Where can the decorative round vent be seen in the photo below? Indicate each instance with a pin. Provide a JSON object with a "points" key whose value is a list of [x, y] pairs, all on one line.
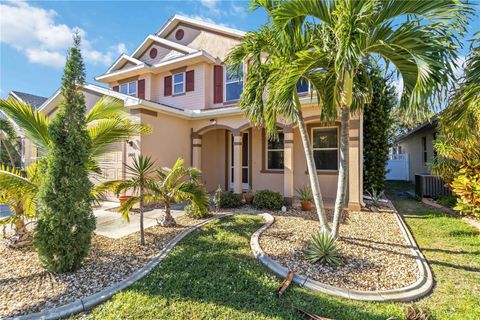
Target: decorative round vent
{"points": [[179, 34], [153, 53]]}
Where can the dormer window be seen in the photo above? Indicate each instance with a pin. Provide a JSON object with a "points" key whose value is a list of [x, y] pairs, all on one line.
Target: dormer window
{"points": [[233, 83], [129, 88], [179, 83]]}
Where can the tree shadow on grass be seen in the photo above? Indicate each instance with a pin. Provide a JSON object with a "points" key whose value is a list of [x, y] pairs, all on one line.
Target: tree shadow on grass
{"points": [[212, 274]]}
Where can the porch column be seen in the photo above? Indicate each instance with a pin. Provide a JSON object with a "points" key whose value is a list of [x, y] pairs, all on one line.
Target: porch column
{"points": [[197, 151], [354, 166], [288, 184], [237, 162]]}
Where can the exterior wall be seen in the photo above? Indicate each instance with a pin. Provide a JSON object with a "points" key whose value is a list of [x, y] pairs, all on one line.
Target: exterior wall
{"points": [[413, 145], [163, 54], [216, 44], [189, 100]]}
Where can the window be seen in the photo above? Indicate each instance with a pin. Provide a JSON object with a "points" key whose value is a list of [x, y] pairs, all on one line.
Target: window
{"points": [[424, 144], [233, 83], [129, 88], [302, 86], [325, 148], [275, 153], [178, 83]]}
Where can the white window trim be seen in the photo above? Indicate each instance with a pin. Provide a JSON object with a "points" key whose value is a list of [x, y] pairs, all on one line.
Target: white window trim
{"points": [[337, 148], [182, 83], [225, 82], [267, 150], [128, 88]]}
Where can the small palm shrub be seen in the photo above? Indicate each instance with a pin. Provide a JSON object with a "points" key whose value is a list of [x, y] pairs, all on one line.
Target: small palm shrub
{"points": [[229, 199], [194, 211], [323, 249], [266, 199]]}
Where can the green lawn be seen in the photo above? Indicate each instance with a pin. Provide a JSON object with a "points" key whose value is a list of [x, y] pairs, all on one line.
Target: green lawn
{"points": [[211, 274]]}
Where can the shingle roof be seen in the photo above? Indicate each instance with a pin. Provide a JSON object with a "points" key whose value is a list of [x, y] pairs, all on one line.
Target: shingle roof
{"points": [[33, 100]]}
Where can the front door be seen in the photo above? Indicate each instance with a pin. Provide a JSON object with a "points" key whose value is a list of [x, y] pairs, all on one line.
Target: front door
{"points": [[245, 162]]}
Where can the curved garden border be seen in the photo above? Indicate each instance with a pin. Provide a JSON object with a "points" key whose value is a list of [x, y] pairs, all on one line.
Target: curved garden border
{"points": [[87, 303], [418, 289]]}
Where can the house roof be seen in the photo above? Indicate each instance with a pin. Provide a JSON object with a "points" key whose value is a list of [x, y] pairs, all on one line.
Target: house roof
{"points": [[172, 23], [33, 100], [430, 123]]}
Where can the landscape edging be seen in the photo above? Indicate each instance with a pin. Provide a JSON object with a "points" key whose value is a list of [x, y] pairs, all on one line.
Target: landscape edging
{"points": [[89, 302], [421, 287]]}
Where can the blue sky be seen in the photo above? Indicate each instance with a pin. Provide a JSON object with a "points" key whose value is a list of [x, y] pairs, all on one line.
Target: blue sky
{"points": [[35, 35]]}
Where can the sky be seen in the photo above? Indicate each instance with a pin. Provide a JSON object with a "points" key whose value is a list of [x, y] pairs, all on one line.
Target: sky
{"points": [[35, 35]]}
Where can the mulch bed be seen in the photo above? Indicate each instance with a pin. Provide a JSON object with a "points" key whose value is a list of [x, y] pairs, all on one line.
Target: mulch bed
{"points": [[374, 252], [26, 287]]}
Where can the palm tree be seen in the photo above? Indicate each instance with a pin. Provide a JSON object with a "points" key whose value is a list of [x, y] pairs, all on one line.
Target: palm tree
{"points": [[9, 143], [107, 122], [177, 184], [417, 38], [277, 59], [139, 183]]}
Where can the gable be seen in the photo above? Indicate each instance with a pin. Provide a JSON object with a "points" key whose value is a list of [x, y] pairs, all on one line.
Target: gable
{"points": [[163, 53]]}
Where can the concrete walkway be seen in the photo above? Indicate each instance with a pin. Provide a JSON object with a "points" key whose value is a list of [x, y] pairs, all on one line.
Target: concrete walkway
{"points": [[110, 224]]}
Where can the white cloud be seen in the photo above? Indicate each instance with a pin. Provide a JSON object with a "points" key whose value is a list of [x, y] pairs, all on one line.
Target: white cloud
{"points": [[34, 32], [238, 11], [212, 5]]}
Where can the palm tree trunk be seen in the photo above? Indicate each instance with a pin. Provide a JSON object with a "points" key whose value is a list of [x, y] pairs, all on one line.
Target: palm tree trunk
{"points": [[312, 170], [342, 171], [142, 233], [8, 153]]}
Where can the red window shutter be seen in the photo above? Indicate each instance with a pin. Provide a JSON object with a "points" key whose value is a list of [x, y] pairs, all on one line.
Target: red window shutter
{"points": [[217, 84], [167, 86], [115, 88], [141, 89], [190, 81]]}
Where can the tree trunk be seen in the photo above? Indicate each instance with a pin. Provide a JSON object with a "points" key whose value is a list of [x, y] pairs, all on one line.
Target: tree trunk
{"points": [[312, 171], [168, 220], [142, 233], [21, 238], [342, 171], [8, 153]]}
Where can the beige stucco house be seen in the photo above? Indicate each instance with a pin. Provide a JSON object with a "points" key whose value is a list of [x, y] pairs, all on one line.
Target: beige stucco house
{"points": [[177, 83]]}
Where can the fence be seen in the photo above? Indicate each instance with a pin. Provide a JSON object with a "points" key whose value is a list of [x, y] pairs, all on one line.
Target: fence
{"points": [[397, 167], [428, 185]]}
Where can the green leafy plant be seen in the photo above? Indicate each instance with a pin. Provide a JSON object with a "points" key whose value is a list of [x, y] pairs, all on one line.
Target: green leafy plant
{"points": [[304, 193], [216, 198], [64, 231], [323, 249], [266, 199], [194, 211], [376, 197], [446, 201], [466, 184], [229, 199]]}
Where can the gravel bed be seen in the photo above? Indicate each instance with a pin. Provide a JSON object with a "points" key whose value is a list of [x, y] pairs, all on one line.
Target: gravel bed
{"points": [[374, 252], [26, 287]]}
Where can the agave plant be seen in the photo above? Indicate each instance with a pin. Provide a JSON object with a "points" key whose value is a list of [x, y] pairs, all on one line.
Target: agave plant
{"points": [[323, 249]]}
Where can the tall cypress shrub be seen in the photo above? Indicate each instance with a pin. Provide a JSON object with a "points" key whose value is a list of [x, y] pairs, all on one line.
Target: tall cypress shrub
{"points": [[64, 230], [377, 123]]}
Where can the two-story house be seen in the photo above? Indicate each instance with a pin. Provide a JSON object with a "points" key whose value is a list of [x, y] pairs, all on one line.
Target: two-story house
{"points": [[176, 82]]}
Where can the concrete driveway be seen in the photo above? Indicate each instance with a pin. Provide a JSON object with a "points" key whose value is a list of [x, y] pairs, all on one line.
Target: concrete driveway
{"points": [[111, 225]]}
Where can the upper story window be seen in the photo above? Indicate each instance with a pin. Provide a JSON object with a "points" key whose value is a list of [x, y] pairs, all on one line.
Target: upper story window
{"points": [[325, 148], [233, 83], [275, 153], [424, 148], [179, 83], [302, 86], [129, 88]]}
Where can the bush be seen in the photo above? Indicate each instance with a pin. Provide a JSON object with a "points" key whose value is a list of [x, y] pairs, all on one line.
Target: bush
{"points": [[466, 184], [446, 201], [323, 249], [229, 199], [266, 199], [194, 211]]}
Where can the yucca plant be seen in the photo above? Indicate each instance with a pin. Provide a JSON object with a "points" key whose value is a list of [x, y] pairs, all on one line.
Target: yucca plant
{"points": [[323, 249]]}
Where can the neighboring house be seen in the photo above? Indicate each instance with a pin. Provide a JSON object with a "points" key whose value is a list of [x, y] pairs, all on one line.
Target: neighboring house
{"points": [[418, 144], [28, 151], [177, 83]]}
